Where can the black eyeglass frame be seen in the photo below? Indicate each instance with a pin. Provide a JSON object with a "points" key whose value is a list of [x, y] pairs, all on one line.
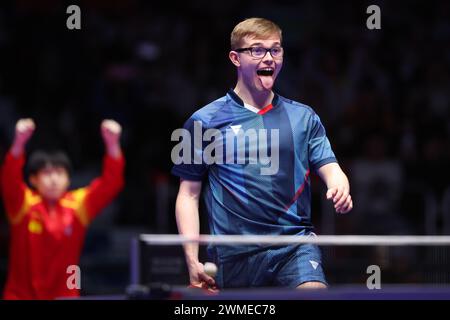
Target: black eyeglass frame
{"points": [[266, 49]]}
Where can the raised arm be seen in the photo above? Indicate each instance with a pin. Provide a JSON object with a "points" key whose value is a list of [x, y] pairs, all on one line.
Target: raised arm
{"points": [[111, 132], [338, 186], [188, 222], [24, 130], [104, 189], [13, 185]]}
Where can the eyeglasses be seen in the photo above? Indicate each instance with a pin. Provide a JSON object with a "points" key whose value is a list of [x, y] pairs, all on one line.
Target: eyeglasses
{"points": [[260, 52]]}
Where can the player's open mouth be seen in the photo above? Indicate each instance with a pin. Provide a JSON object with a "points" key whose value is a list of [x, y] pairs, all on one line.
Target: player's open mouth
{"points": [[265, 72]]}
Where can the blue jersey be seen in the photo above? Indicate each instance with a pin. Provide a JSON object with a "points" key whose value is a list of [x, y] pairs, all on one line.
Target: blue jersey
{"points": [[245, 191]]}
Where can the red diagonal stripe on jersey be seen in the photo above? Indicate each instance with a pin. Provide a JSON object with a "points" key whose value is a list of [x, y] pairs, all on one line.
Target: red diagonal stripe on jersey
{"points": [[299, 191], [265, 109]]}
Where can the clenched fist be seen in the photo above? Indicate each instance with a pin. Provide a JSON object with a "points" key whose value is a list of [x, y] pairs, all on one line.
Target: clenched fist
{"points": [[111, 132], [24, 130]]}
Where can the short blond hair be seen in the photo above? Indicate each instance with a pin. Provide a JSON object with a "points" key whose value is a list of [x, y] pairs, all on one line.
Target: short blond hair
{"points": [[255, 27]]}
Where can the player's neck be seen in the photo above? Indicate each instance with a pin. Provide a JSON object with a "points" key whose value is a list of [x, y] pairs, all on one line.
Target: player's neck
{"points": [[258, 99], [51, 203]]}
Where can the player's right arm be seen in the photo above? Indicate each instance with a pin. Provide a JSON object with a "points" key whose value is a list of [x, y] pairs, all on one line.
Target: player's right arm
{"points": [[188, 222], [13, 186]]}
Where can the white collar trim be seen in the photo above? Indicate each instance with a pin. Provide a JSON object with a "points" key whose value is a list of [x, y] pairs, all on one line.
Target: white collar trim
{"points": [[251, 108]]}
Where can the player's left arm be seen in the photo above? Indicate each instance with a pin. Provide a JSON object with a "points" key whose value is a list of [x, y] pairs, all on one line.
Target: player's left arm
{"points": [[105, 188], [338, 186]]}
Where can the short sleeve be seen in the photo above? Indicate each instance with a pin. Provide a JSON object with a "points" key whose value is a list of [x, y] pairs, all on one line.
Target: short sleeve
{"points": [[187, 154], [319, 147]]}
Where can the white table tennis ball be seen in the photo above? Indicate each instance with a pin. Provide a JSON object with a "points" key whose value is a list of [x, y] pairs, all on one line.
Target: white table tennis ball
{"points": [[210, 269]]}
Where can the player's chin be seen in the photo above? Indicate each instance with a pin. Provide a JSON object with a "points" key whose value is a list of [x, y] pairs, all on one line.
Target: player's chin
{"points": [[258, 87]]}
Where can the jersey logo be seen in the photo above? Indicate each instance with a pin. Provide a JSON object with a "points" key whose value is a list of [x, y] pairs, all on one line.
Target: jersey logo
{"points": [[314, 264], [236, 128], [34, 226]]}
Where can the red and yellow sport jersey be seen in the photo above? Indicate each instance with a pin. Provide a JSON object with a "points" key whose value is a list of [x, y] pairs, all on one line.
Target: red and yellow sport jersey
{"points": [[44, 243]]}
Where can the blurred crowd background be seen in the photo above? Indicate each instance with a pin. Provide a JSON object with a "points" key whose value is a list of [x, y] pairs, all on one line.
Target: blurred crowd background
{"points": [[383, 96]]}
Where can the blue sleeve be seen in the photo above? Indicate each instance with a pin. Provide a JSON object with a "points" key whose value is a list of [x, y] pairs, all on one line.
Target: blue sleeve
{"points": [[187, 154], [319, 147]]}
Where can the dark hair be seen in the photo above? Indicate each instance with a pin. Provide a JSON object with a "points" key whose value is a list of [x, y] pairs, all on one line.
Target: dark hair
{"points": [[41, 159]]}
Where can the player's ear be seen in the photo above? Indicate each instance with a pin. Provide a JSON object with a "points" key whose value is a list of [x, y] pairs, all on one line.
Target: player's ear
{"points": [[234, 57], [33, 180], [67, 185]]}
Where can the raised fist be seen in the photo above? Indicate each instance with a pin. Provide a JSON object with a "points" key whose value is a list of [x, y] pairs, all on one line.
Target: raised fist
{"points": [[111, 131], [24, 130]]}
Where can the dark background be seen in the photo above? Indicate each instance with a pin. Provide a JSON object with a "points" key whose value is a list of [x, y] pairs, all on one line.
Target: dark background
{"points": [[383, 96]]}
